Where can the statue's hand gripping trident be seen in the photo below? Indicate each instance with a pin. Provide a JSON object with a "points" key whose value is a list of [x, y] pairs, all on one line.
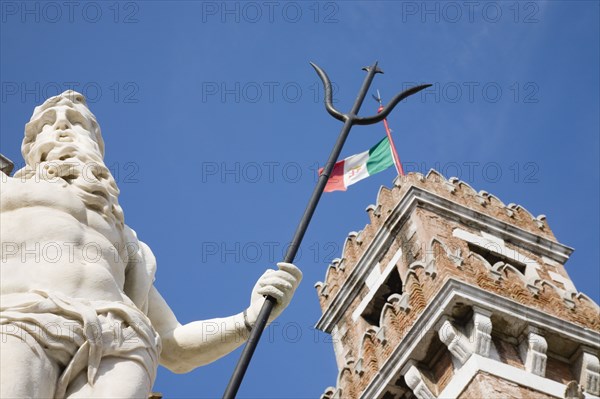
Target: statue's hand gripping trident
{"points": [[350, 119]]}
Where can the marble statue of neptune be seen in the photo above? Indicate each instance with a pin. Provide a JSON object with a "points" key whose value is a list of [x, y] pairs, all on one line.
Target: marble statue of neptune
{"points": [[80, 316]]}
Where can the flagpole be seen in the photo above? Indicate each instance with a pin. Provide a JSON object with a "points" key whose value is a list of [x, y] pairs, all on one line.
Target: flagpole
{"points": [[388, 131], [350, 119]]}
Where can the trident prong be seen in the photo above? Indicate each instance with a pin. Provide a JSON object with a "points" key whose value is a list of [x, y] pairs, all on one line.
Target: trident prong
{"points": [[390, 106], [328, 94], [356, 120]]}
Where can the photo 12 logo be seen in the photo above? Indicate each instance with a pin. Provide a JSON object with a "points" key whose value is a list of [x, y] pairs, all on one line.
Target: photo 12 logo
{"points": [[490, 92], [252, 12], [452, 12], [125, 12], [94, 92], [270, 91]]}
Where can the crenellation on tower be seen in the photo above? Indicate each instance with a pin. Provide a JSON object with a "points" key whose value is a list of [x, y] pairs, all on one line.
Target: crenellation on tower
{"points": [[447, 289]]}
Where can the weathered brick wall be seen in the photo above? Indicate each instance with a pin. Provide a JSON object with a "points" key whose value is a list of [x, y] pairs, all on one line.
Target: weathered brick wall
{"points": [[442, 370], [508, 353], [488, 386], [558, 370]]}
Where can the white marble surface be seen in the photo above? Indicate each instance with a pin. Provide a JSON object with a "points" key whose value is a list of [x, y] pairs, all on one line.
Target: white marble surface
{"points": [[80, 315]]}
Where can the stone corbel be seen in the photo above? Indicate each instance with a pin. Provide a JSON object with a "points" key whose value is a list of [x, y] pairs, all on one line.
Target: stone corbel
{"points": [[450, 186], [338, 263], [481, 198], [322, 287], [401, 302], [510, 209], [457, 343], [328, 394], [539, 221], [375, 209], [430, 268], [457, 259], [414, 380], [533, 289], [497, 271], [568, 298], [574, 391], [532, 282], [381, 335], [586, 368], [482, 330], [358, 367], [533, 349]]}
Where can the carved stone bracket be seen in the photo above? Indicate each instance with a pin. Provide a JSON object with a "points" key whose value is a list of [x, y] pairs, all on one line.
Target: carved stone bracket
{"points": [[430, 268], [414, 380], [457, 258], [477, 340], [358, 367], [574, 391], [400, 302], [497, 271], [482, 330], [328, 393], [457, 343], [586, 367], [533, 349], [533, 289], [481, 198], [450, 187], [568, 298], [381, 335]]}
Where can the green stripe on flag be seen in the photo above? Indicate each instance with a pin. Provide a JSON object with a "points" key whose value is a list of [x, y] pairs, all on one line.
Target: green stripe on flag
{"points": [[380, 157]]}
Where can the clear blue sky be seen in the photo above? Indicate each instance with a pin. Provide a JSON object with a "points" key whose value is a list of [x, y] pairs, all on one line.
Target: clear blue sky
{"points": [[214, 129]]}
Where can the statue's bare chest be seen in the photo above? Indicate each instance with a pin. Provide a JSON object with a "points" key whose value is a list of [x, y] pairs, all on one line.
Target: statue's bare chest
{"points": [[50, 209], [16, 194]]}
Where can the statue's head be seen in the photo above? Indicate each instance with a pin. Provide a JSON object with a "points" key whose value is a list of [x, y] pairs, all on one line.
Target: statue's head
{"points": [[63, 144], [61, 128]]}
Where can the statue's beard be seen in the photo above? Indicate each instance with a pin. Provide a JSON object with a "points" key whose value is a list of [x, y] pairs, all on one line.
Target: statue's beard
{"points": [[96, 187], [86, 174]]}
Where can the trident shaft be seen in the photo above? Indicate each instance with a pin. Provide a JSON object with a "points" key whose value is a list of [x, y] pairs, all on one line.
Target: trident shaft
{"points": [[350, 119], [6, 165]]}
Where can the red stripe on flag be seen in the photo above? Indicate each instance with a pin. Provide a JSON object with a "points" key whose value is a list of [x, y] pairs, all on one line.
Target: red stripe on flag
{"points": [[336, 180]]}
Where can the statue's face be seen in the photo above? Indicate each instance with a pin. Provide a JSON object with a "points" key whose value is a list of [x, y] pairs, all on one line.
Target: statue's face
{"points": [[61, 132]]}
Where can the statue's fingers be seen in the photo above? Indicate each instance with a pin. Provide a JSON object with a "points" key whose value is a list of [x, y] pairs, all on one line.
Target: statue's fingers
{"points": [[267, 272], [272, 292], [291, 269], [284, 276], [277, 282]]}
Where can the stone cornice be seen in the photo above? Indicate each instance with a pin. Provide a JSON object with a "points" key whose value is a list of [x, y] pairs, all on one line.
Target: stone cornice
{"points": [[452, 291], [418, 197]]}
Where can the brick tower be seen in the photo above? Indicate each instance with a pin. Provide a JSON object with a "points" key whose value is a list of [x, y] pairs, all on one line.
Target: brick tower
{"points": [[450, 293]]}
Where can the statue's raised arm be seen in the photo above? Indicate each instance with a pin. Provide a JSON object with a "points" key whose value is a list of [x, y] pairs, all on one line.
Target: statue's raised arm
{"points": [[79, 311]]}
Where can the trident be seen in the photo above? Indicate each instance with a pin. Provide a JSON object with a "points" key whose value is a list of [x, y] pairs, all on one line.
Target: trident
{"points": [[350, 119]]}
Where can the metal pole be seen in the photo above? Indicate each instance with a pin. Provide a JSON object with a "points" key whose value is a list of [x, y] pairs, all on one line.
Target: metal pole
{"points": [[349, 120], [6, 165]]}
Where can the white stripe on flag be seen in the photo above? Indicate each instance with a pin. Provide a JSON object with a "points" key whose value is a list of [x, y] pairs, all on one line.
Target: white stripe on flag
{"points": [[355, 168]]}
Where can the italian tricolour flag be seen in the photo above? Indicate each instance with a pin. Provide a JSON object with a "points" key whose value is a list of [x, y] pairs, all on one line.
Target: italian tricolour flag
{"points": [[360, 166]]}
